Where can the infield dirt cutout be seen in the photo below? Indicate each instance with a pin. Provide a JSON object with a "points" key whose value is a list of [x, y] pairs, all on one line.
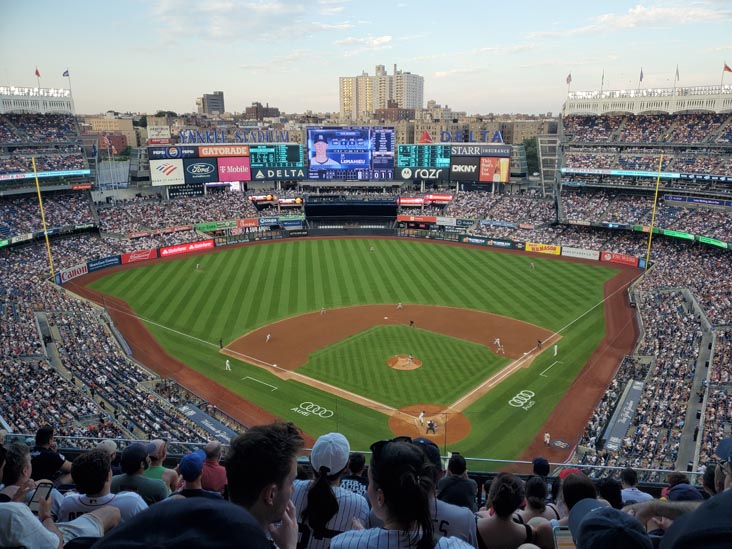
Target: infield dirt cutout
{"points": [[283, 346]]}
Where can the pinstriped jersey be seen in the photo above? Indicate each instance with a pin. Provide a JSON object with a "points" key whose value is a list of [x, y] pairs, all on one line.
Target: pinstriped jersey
{"points": [[75, 505], [350, 506], [379, 538]]}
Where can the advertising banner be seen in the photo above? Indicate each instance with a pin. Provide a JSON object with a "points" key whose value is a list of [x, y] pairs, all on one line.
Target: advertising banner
{"points": [[622, 418], [480, 241], [580, 253], [158, 132], [186, 248], [713, 242], [268, 221], [678, 234], [140, 255], [623, 259], [167, 172], [165, 153], [464, 169], [73, 272], [234, 168], [480, 150], [497, 223], [465, 222], [103, 263], [214, 427], [29, 175], [248, 222], [290, 201], [496, 170], [223, 150], [543, 248], [206, 227], [278, 174], [499, 243], [447, 221], [292, 223], [417, 218], [200, 170], [425, 174], [438, 197], [410, 201], [20, 238], [159, 141]]}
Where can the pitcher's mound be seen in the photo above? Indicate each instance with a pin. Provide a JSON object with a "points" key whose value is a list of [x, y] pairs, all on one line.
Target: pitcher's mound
{"points": [[404, 362]]}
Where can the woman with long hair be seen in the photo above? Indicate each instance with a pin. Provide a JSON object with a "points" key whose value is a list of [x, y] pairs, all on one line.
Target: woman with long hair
{"points": [[400, 488], [498, 530], [323, 508], [536, 505]]}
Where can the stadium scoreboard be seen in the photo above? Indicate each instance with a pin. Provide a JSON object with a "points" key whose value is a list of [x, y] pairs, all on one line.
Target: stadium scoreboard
{"points": [[276, 155], [423, 156]]}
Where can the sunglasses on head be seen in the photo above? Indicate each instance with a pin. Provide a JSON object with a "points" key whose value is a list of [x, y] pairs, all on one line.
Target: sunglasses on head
{"points": [[378, 446]]}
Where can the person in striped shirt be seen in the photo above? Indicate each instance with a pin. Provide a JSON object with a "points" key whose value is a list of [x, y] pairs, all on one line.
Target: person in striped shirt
{"points": [[324, 509]]}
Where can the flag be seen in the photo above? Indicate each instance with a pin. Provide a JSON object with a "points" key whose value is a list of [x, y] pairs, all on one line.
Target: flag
{"points": [[677, 72], [641, 76], [569, 79], [38, 73], [725, 69], [602, 83], [114, 149], [105, 141], [66, 73]]}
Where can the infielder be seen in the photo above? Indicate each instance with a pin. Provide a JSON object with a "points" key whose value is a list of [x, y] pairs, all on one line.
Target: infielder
{"points": [[269, 336], [547, 438], [228, 365], [421, 417], [497, 341], [399, 306], [322, 311]]}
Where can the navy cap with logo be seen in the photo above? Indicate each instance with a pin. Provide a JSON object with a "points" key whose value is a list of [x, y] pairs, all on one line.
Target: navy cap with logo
{"points": [[320, 138], [431, 451], [599, 526]]}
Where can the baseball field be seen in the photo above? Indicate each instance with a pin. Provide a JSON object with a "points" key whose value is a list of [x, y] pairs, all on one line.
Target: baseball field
{"points": [[361, 335]]}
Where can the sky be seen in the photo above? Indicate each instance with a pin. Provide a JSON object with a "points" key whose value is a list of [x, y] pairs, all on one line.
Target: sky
{"points": [[478, 56]]}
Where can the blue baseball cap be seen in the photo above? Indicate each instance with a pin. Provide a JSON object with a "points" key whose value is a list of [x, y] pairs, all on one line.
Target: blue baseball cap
{"points": [[191, 465]]}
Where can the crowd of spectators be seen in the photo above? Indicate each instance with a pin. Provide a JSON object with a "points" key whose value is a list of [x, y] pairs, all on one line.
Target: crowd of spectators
{"points": [[22, 214], [37, 128]]}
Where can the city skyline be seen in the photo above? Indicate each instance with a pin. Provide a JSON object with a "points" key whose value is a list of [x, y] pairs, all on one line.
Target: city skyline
{"points": [[475, 57]]}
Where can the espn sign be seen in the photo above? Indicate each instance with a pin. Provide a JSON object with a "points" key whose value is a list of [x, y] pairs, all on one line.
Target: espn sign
{"points": [[142, 255], [186, 248], [73, 272]]}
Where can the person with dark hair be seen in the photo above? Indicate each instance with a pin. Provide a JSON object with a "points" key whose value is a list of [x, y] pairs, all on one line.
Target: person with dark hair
{"points": [[47, 462], [356, 481], [456, 487], [630, 492], [708, 482], [400, 488], [92, 474], [261, 466], [576, 487], [496, 527], [536, 505], [324, 509], [610, 490]]}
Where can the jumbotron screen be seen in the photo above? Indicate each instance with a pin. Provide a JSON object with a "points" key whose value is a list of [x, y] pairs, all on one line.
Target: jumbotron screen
{"points": [[351, 153]]}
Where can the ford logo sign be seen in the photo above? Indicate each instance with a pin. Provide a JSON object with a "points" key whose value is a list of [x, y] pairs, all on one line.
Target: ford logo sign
{"points": [[200, 168]]}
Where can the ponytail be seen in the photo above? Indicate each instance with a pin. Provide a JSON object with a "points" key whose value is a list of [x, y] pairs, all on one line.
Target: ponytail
{"points": [[322, 504]]}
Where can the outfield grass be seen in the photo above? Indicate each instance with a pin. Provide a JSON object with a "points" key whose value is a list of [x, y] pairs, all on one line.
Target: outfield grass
{"points": [[237, 290]]}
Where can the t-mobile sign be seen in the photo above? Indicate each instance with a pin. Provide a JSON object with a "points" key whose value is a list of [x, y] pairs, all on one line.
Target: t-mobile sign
{"points": [[234, 168]]}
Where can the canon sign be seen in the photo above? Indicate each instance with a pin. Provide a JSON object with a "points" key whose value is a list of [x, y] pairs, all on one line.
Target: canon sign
{"points": [[73, 272], [422, 173]]}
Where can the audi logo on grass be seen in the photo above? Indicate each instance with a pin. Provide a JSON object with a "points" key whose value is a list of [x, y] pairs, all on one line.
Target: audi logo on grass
{"points": [[311, 409], [522, 399]]}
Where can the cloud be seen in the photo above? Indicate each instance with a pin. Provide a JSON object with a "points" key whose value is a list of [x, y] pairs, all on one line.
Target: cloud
{"points": [[645, 17], [452, 72], [369, 43]]}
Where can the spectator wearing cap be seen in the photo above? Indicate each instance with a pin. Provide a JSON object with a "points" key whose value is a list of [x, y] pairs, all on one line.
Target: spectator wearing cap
{"points": [[324, 509], [356, 480], [198, 523], [630, 492], [706, 526], [134, 462], [456, 487], [156, 469], [92, 474], [190, 469], [540, 468], [47, 462], [214, 474], [261, 466], [109, 447], [595, 525], [496, 527], [449, 519]]}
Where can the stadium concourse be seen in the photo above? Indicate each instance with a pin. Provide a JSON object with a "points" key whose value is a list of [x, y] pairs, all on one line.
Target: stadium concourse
{"points": [[62, 365]]}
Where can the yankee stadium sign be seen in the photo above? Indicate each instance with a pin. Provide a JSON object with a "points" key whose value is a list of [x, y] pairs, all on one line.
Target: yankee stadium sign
{"points": [[220, 136]]}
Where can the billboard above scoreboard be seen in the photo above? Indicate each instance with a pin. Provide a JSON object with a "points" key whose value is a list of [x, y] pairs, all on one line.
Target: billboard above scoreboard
{"points": [[351, 153], [276, 155], [427, 156], [167, 172]]}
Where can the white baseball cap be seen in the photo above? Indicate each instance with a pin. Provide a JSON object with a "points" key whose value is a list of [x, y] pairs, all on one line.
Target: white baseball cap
{"points": [[330, 451]]}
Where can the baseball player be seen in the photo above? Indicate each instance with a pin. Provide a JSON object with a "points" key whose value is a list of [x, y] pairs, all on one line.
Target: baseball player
{"points": [[431, 427], [322, 311], [556, 349], [399, 306], [228, 365], [538, 344], [547, 438], [497, 342], [421, 417], [409, 359], [268, 338]]}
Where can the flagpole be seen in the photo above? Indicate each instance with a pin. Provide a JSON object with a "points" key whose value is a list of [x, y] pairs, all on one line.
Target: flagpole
{"points": [[38, 77], [602, 82], [653, 215]]}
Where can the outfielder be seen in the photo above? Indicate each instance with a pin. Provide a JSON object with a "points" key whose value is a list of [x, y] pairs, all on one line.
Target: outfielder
{"points": [[228, 365], [556, 348]]}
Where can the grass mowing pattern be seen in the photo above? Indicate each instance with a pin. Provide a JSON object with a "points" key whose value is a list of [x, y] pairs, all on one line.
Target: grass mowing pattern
{"points": [[450, 368], [237, 290]]}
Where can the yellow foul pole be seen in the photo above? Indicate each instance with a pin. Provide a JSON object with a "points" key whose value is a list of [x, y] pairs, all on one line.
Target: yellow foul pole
{"points": [[43, 218], [653, 215]]}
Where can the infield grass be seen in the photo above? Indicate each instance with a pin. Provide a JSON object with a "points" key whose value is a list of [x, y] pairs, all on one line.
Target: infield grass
{"points": [[237, 290]]}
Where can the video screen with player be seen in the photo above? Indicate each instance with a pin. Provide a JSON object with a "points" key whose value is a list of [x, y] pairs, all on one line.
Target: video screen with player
{"points": [[351, 153]]}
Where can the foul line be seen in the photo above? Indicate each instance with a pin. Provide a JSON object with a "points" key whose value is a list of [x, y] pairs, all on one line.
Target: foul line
{"points": [[258, 381], [550, 367]]}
